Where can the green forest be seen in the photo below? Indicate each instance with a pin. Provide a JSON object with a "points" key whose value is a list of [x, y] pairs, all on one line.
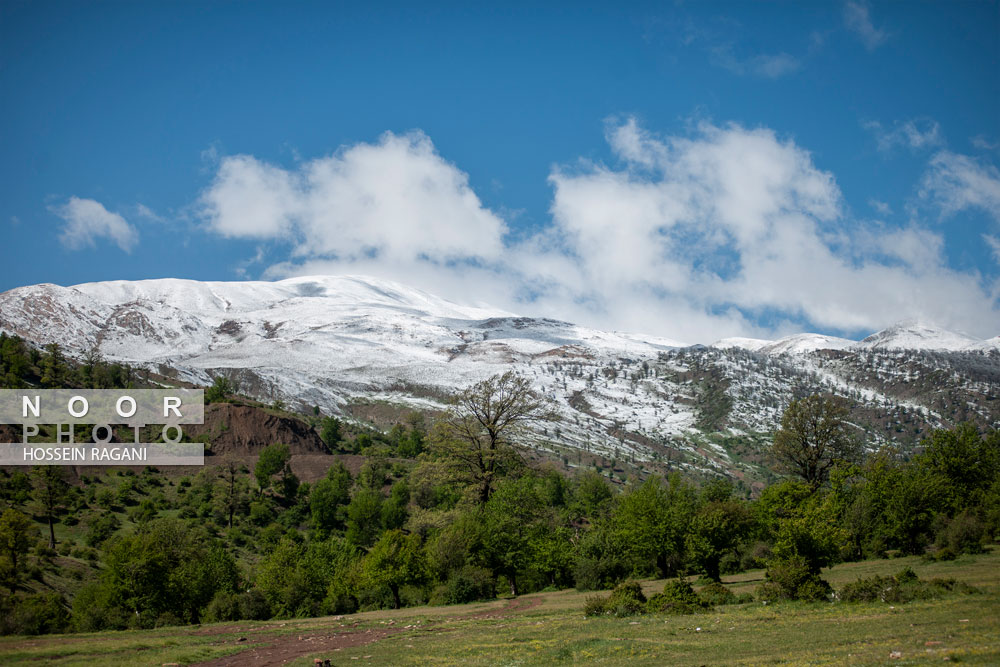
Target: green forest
{"points": [[448, 511]]}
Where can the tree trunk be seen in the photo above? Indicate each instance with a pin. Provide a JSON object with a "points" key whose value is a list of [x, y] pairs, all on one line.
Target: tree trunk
{"points": [[395, 597], [52, 533], [712, 569], [513, 584]]}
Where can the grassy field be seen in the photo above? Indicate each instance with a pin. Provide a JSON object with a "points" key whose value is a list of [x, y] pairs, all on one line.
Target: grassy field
{"points": [[550, 628]]}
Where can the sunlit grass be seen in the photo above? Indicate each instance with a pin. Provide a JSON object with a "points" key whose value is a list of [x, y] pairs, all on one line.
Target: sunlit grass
{"points": [[554, 631]]}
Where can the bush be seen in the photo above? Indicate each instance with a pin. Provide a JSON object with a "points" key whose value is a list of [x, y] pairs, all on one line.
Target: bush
{"points": [[965, 534], [254, 606], [867, 589], [37, 614], [730, 563], [792, 579], [627, 599], [412, 596], [756, 556], [904, 587], [677, 598], [945, 554], [594, 605], [439, 596], [716, 594], [225, 606], [100, 528], [470, 584], [597, 572]]}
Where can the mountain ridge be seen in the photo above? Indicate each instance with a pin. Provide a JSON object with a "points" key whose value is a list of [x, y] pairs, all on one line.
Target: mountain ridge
{"points": [[341, 341]]}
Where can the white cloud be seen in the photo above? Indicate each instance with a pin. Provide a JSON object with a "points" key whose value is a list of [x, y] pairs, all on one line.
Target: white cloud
{"points": [[767, 66], [914, 134], [981, 142], [858, 21], [144, 211], [87, 220], [880, 207], [958, 182], [394, 199], [736, 219], [772, 66], [694, 237], [994, 243]]}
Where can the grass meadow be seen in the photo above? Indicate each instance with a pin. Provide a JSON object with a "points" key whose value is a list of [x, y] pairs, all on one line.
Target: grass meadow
{"points": [[550, 628]]}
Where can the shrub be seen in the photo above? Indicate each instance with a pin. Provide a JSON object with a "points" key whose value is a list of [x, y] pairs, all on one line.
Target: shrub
{"points": [[627, 599], [596, 572], [867, 589], [677, 598], [730, 563], [439, 596], [947, 553], [594, 605], [716, 594], [470, 584], [792, 579], [101, 527], [412, 596], [965, 534], [254, 606], [903, 587], [36, 614], [225, 606]]}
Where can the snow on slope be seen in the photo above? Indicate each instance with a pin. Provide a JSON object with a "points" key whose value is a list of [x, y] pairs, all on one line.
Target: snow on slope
{"points": [[751, 344], [796, 344], [806, 342], [987, 345], [308, 338], [330, 340], [914, 335]]}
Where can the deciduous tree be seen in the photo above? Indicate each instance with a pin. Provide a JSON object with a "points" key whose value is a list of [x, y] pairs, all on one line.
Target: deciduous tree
{"points": [[480, 434], [813, 437]]}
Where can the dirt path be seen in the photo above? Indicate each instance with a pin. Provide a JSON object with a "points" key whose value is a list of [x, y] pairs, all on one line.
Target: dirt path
{"points": [[519, 605], [279, 649]]}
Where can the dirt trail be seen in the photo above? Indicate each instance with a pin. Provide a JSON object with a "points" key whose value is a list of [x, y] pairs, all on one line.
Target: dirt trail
{"points": [[279, 649]]}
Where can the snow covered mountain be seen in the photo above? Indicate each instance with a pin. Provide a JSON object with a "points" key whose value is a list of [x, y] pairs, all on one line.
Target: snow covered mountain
{"points": [[914, 335], [341, 342]]}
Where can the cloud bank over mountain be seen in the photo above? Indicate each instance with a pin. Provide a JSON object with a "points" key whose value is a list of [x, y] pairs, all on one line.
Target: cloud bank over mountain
{"points": [[726, 230]]}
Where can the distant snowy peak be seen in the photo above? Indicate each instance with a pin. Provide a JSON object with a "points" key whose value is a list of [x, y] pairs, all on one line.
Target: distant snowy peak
{"points": [[803, 343], [905, 336], [346, 322], [797, 344], [250, 296], [737, 343], [918, 336], [987, 345]]}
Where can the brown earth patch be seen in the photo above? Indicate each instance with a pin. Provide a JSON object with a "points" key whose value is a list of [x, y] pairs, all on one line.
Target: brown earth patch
{"points": [[278, 649], [281, 649], [243, 430]]}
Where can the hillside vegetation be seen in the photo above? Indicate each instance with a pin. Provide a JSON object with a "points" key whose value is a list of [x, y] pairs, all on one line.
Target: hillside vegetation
{"points": [[550, 628], [448, 512]]}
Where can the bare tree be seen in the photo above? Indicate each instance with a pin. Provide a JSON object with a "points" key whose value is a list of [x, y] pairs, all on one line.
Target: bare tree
{"points": [[814, 437], [234, 487], [50, 493], [478, 437]]}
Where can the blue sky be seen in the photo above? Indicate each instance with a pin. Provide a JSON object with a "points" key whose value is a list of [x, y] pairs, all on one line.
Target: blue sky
{"points": [[690, 170]]}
